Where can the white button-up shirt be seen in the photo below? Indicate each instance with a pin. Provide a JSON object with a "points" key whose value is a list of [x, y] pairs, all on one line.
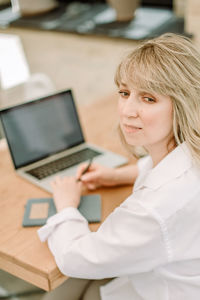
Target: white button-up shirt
{"points": [[151, 242]]}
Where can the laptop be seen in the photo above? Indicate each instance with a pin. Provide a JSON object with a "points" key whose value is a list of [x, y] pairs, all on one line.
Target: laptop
{"points": [[45, 139]]}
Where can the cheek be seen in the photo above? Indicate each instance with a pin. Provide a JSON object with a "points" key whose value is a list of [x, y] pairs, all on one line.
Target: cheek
{"points": [[119, 107], [159, 119], [148, 117], [120, 110]]}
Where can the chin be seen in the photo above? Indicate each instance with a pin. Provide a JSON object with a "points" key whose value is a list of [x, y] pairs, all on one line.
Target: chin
{"points": [[132, 143]]}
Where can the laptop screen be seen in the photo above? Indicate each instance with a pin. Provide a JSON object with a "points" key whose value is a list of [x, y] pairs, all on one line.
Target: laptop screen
{"points": [[40, 128]]}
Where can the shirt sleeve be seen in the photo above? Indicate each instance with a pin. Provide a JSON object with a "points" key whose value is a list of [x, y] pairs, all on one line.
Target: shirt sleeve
{"points": [[129, 241]]}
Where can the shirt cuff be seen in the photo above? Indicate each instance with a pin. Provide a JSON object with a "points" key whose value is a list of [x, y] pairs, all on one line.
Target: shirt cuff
{"points": [[69, 213]]}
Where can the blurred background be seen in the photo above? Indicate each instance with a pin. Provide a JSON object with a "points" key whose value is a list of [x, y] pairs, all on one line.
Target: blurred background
{"points": [[79, 44]]}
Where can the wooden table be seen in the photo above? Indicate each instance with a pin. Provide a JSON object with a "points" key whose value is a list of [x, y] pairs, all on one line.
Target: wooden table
{"points": [[21, 252]]}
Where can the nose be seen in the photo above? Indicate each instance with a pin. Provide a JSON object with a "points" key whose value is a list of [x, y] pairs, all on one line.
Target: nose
{"points": [[131, 107]]}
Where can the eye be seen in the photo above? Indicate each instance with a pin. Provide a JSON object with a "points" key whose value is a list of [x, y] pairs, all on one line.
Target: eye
{"points": [[124, 94], [149, 99]]}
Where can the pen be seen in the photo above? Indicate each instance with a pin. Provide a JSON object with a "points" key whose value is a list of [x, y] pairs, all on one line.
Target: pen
{"points": [[86, 169]]}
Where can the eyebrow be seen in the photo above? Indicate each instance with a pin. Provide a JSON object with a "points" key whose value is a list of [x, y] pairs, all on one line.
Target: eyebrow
{"points": [[124, 84], [141, 92]]}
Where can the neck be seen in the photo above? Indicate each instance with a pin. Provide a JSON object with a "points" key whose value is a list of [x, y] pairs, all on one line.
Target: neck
{"points": [[157, 153]]}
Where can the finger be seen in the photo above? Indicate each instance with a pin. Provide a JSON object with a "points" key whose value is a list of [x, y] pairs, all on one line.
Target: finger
{"points": [[91, 186], [90, 176], [80, 184], [82, 167], [68, 179], [80, 170], [72, 181], [52, 184], [56, 180]]}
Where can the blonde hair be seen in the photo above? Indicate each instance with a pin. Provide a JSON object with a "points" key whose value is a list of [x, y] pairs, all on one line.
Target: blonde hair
{"points": [[169, 65]]}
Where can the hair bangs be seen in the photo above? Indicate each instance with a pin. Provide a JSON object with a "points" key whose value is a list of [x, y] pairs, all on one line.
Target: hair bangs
{"points": [[142, 75]]}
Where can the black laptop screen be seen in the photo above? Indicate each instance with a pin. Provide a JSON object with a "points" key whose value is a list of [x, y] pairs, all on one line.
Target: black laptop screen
{"points": [[40, 128]]}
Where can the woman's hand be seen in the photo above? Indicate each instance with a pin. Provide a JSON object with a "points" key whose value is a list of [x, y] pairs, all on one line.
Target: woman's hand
{"points": [[66, 192], [98, 175]]}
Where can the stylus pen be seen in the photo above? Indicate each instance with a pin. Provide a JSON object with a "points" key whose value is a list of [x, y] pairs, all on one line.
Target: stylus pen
{"points": [[86, 169]]}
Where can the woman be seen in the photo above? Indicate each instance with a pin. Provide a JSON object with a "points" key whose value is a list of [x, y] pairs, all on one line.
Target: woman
{"points": [[151, 243]]}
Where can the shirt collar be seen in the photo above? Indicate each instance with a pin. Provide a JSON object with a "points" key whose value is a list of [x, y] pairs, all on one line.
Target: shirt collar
{"points": [[172, 166]]}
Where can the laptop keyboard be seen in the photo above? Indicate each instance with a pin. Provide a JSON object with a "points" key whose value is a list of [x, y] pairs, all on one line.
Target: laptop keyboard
{"points": [[63, 163]]}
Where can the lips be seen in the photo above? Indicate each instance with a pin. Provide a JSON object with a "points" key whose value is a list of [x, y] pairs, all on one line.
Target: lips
{"points": [[131, 128]]}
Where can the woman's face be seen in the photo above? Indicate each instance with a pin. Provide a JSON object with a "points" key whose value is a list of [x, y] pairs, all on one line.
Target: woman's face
{"points": [[145, 119]]}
